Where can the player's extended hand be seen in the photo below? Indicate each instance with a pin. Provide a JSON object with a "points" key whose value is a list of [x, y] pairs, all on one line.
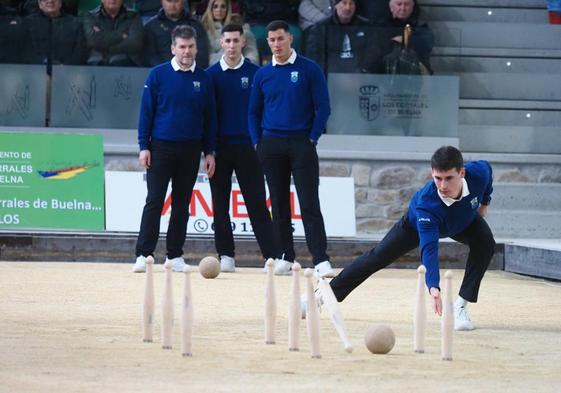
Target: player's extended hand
{"points": [[436, 301], [145, 158], [210, 165]]}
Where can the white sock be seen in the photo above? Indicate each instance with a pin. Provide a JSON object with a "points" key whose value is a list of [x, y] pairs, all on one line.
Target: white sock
{"points": [[461, 302]]}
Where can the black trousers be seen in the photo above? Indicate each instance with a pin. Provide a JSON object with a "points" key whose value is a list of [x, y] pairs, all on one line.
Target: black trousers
{"points": [[282, 157], [401, 239], [242, 159], [178, 162]]}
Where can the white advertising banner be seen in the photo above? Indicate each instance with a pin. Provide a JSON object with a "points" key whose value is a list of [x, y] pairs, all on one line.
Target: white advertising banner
{"points": [[125, 194]]}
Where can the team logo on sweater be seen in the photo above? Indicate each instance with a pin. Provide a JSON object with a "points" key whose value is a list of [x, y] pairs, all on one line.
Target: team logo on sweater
{"points": [[294, 76], [245, 82], [474, 203], [196, 85]]}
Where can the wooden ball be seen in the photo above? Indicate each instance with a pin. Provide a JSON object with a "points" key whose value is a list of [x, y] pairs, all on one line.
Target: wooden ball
{"points": [[209, 267], [379, 339]]}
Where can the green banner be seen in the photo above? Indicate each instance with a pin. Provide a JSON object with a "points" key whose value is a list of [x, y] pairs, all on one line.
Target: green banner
{"points": [[51, 181]]}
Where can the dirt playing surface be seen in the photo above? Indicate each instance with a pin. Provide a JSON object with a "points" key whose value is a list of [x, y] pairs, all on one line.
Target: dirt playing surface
{"points": [[76, 327]]}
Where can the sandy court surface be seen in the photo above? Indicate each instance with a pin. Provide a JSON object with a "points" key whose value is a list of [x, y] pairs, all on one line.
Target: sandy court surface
{"points": [[75, 327]]}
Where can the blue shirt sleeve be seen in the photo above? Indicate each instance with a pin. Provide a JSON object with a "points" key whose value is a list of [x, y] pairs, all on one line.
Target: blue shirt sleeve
{"points": [[427, 227], [489, 189], [320, 97], [255, 111], [210, 119], [147, 111]]}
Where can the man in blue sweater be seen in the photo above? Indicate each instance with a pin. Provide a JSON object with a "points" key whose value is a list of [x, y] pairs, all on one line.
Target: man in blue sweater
{"points": [[177, 122], [232, 78], [288, 110], [452, 205]]}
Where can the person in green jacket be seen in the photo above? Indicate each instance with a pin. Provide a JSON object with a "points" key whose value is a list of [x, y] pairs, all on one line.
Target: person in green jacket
{"points": [[114, 35]]}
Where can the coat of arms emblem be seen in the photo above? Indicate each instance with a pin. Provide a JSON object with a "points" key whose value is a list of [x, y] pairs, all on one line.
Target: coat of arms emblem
{"points": [[369, 102], [294, 76]]}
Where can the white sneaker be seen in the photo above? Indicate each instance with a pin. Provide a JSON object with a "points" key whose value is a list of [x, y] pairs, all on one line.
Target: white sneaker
{"points": [[139, 265], [304, 302], [461, 319], [324, 270], [227, 264], [282, 267], [177, 264]]}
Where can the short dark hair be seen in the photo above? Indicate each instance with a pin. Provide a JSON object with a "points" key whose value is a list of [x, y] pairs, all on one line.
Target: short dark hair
{"points": [[446, 158], [278, 24], [183, 31], [232, 27]]}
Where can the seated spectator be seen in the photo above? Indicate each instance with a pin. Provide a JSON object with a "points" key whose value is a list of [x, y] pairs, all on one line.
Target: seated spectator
{"points": [[53, 37], [12, 34], [338, 42], [85, 6], [28, 7], [312, 11], [158, 33], [114, 35], [259, 13], [218, 14], [406, 12], [237, 7]]}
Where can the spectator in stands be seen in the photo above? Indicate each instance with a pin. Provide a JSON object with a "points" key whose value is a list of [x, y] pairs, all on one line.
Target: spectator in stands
{"points": [[312, 11], [53, 37], [12, 33], [28, 7], [259, 13], [237, 7], [85, 6], [406, 12], [158, 33], [114, 35], [337, 42], [218, 14]]}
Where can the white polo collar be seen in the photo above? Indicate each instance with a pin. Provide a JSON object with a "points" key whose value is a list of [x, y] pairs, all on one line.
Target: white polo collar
{"points": [[449, 201], [225, 65], [176, 66], [290, 60]]}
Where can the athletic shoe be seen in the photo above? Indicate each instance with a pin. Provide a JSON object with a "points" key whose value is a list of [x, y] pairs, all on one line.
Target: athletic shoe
{"points": [[139, 265], [283, 268], [280, 267], [227, 264], [177, 264], [461, 319], [324, 270], [304, 302]]}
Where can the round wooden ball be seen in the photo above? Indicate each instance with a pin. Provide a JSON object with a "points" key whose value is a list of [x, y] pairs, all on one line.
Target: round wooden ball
{"points": [[209, 267], [379, 339]]}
